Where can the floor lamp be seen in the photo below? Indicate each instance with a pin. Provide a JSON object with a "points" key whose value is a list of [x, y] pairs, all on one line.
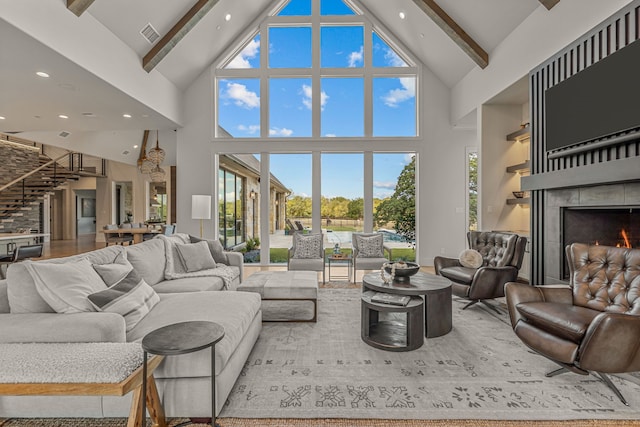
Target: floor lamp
{"points": [[200, 208]]}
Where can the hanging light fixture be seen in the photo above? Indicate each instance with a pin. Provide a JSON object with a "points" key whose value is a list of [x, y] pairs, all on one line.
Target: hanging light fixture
{"points": [[157, 174], [146, 165], [157, 154]]}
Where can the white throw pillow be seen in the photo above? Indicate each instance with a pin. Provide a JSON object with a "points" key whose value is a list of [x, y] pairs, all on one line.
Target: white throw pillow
{"points": [[470, 258], [307, 246], [196, 256], [131, 297], [113, 273], [65, 287], [370, 246]]}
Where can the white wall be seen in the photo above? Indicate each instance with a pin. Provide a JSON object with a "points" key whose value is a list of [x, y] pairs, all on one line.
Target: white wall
{"points": [[542, 34]]}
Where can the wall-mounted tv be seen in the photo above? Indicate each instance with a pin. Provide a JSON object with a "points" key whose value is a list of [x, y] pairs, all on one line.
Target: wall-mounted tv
{"points": [[599, 101]]}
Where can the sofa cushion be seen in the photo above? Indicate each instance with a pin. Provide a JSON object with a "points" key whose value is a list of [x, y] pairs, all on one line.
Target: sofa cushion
{"points": [[565, 321], [190, 284], [234, 311], [65, 287], [215, 247], [195, 256], [459, 274], [148, 259], [131, 297], [21, 289]]}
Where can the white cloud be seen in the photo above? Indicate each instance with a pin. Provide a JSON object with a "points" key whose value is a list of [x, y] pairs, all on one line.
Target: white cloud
{"points": [[280, 132], [392, 58], [356, 57], [249, 52], [330, 135], [396, 96], [241, 96], [307, 94], [388, 185], [408, 157], [251, 129]]}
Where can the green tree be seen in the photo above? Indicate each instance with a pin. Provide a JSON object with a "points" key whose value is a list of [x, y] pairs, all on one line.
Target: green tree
{"points": [[401, 207], [355, 209], [299, 207]]}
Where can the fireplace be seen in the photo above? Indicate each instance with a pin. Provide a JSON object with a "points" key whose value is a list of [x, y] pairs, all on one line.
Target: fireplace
{"points": [[608, 226]]}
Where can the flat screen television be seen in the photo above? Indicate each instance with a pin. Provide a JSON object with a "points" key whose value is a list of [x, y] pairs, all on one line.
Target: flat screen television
{"points": [[599, 101]]}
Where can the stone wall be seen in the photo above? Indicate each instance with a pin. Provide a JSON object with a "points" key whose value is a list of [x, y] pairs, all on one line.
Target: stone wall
{"points": [[17, 161]]}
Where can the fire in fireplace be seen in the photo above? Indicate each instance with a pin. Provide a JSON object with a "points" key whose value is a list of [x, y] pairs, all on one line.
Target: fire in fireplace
{"points": [[609, 226]]}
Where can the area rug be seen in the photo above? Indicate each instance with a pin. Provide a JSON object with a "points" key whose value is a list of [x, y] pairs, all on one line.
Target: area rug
{"points": [[480, 370]]}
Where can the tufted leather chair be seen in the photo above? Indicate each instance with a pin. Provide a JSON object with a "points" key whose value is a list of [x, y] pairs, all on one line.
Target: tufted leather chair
{"points": [[593, 324], [502, 255]]}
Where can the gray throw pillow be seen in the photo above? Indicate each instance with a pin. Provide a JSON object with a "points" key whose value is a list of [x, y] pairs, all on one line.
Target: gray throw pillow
{"points": [[131, 297], [113, 273], [215, 247], [307, 246], [370, 246], [195, 256]]}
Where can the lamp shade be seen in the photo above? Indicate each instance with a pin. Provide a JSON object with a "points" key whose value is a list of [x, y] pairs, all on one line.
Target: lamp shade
{"points": [[200, 206]]}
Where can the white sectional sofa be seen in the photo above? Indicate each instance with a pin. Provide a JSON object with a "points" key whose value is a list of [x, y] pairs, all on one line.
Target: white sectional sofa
{"points": [[183, 381]]}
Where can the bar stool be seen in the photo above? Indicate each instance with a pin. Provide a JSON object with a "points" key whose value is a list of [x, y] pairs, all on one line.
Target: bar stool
{"points": [[20, 253]]}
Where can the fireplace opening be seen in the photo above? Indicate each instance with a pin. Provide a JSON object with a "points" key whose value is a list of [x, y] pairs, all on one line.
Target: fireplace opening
{"points": [[608, 226]]}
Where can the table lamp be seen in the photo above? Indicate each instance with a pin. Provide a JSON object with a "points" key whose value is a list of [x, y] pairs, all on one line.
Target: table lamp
{"points": [[200, 208]]}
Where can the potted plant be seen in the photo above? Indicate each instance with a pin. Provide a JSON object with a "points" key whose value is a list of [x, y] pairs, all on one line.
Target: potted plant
{"points": [[252, 250]]}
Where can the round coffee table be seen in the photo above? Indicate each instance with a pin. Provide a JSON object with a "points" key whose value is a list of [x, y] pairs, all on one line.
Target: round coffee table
{"points": [[436, 291], [183, 338]]}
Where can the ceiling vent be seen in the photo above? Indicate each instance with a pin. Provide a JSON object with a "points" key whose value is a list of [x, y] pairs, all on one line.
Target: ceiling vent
{"points": [[149, 33], [64, 134]]}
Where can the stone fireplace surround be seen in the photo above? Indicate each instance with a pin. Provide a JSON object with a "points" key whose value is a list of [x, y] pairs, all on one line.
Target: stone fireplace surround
{"points": [[611, 195]]}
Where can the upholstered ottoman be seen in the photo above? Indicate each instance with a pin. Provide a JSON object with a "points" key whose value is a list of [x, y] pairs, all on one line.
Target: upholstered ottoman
{"points": [[284, 293]]}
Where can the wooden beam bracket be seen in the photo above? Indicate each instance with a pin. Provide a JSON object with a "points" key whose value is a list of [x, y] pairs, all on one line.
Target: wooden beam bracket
{"points": [[78, 7]]}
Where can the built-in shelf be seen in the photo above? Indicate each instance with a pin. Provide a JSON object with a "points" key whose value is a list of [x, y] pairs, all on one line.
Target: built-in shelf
{"points": [[521, 201], [520, 167], [519, 134]]}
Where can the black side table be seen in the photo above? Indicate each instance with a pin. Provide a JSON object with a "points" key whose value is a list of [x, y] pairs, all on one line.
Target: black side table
{"points": [[182, 338]]}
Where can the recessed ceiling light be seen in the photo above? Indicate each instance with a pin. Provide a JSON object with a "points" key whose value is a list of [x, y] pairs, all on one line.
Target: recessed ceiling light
{"points": [[2, 117], [402, 15], [227, 17], [126, 116], [62, 116], [135, 146], [42, 74]]}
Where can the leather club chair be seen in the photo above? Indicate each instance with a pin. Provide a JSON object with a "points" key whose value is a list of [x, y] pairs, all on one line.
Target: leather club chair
{"points": [[502, 255], [593, 324]]}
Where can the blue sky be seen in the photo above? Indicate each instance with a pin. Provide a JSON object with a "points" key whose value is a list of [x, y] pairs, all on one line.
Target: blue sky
{"points": [[341, 101]]}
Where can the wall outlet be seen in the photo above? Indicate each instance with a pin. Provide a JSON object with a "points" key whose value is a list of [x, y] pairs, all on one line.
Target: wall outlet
{"points": [[442, 251]]}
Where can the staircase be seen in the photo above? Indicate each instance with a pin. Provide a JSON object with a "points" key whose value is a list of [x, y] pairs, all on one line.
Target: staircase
{"points": [[26, 192]]}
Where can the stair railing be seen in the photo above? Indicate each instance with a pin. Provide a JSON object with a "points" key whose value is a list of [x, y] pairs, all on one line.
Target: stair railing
{"points": [[28, 174]]}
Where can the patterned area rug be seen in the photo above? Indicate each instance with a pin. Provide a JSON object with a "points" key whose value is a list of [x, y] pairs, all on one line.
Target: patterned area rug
{"points": [[480, 370]]}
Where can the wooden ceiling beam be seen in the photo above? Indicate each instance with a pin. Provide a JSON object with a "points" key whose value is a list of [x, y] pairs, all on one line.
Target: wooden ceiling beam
{"points": [[454, 31], [78, 7], [143, 148], [175, 34], [549, 3]]}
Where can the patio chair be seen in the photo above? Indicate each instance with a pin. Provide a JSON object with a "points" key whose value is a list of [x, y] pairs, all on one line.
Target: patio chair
{"points": [[369, 252], [307, 253]]}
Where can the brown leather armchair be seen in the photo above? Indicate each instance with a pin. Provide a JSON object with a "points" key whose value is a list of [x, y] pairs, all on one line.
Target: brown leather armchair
{"points": [[502, 255], [593, 324]]}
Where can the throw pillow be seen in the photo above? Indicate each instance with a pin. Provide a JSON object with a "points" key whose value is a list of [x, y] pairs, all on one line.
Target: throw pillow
{"points": [[370, 246], [216, 249], [130, 297], [113, 273], [470, 258], [65, 287], [196, 256], [307, 246]]}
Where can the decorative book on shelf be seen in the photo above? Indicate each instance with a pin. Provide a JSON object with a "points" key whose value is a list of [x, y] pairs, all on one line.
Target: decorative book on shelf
{"points": [[393, 299]]}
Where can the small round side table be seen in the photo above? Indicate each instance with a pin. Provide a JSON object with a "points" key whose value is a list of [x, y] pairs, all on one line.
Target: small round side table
{"points": [[183, 338]]}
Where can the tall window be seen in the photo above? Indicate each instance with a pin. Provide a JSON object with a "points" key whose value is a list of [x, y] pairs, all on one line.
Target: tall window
{"points": [[358, 86], [230, 208]]}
